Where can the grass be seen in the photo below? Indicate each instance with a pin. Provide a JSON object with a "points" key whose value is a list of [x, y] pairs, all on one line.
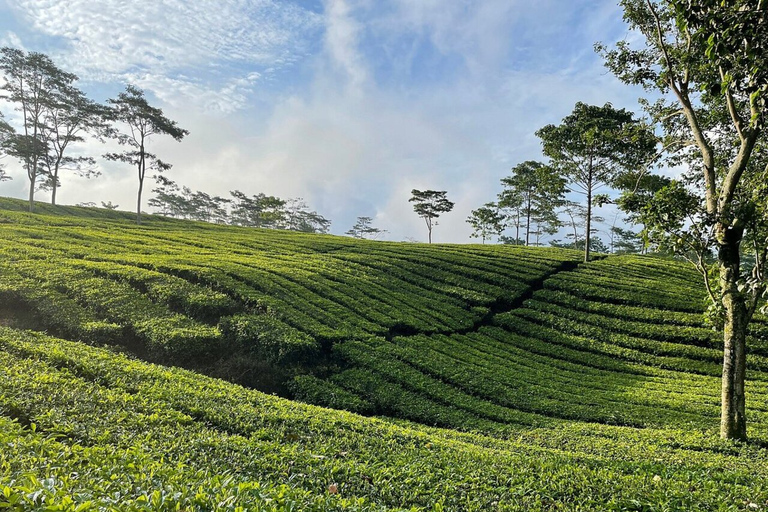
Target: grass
{"points": [[500, 378]]}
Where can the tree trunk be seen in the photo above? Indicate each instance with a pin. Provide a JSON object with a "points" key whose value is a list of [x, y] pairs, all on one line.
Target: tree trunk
{"points": [[527, 223], [588, 234], [733, 420], [55, 187], [138, 203], [32, 194], [142, 172]]}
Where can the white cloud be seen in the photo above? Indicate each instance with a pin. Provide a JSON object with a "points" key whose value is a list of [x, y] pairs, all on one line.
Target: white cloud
{"points": [[349, 142], [341, 40], [164, 42]]}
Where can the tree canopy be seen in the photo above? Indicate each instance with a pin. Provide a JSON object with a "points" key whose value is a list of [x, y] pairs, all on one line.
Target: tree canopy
{"points": [[707, 61], [429, 204], [140, 122], [533, 191], [593, 146]]}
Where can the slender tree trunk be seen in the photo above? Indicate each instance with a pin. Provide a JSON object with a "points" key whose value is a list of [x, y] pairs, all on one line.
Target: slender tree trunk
{"points": [[141, 187], [55, 186], [142, 171], [528, 222], [32, 180], [138, 202], [588, 234], [733, 421]]}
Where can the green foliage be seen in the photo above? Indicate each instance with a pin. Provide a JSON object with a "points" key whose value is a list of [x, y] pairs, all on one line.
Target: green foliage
{"points": [[271, 339], [533, 192], [593, 147], [486, 221], [429, 204]]}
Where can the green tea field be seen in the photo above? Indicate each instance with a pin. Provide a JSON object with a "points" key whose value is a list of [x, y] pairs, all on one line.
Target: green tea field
{"points": [[179, 365]]}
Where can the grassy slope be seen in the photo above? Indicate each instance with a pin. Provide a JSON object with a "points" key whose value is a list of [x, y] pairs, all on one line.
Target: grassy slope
{"points": [[521, 344]]}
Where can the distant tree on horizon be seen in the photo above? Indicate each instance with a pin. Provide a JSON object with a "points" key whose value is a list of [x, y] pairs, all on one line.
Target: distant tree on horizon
{"points": [[593, 146], [532, 192], [429, 204], [486, 221], [5, 130], [363, 229], [142, 120]]}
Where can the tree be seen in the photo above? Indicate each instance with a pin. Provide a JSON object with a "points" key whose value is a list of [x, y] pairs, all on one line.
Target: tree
{"points": [[142, 121], [298, 217], [624, 241], [363, 228], [6, 130], [637, 190], [545, 223], [259, 211], [533, 190], [486, 221], [593, 146], [429, 204], [709, 65], [68, 117], [30, 79]]}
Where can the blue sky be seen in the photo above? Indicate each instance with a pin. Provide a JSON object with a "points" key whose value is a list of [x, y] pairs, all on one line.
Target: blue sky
{"points": [[349, 104]]}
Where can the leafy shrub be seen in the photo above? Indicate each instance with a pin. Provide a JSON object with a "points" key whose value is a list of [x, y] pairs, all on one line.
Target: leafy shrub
{"points": [[310, 389], [272, 339]]}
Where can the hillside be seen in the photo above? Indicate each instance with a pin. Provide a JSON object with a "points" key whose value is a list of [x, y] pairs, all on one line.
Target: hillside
{"points": [[564, 385]]}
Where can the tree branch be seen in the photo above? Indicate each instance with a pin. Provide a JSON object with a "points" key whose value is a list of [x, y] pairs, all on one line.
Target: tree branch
{"points": [[738, 123]]}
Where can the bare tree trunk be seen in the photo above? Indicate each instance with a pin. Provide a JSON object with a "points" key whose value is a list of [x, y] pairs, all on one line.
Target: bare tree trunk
{"points": [[588, 233], [142, 172], [55, 187], [527, 223], [733, 420], [32, 193], [138, 203]]}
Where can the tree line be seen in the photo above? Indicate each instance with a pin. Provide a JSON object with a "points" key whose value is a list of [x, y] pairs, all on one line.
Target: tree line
{"points": [[594, 149], [258, 211], [55, 115], [706, 63]]}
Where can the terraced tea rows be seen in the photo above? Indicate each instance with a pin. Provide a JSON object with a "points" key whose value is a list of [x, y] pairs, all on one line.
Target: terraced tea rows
{"points": [[598, 383], [187, 292], [85, 429]]}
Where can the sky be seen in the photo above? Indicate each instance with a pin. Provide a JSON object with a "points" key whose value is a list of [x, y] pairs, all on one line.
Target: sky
{"points": [[349, 104]]}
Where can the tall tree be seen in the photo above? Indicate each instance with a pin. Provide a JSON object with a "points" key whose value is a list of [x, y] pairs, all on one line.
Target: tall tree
{"points": [[298, 217], [364, 228], [259, 211], [429, 204], [30, 79], [69, 117], [486, 221], [534, 189], [6, 131], [593, 146], [708, 61], [637, 190], [141, 121]]}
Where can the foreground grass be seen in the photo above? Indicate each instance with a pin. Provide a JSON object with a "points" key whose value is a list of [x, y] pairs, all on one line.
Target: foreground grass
{"points": [[84, 427]]}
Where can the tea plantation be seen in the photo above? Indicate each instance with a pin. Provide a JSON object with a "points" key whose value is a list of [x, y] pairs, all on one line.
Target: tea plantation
{"points": [[485, 377]]}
